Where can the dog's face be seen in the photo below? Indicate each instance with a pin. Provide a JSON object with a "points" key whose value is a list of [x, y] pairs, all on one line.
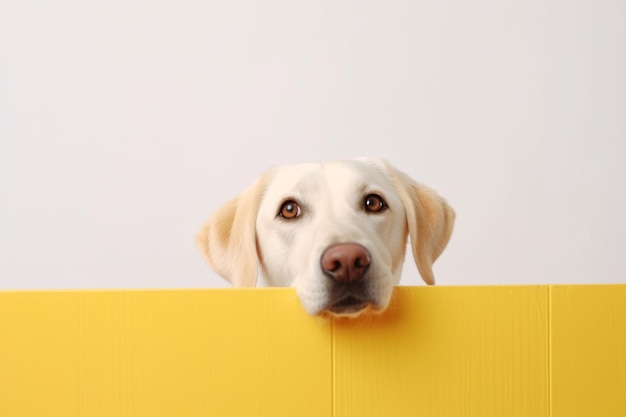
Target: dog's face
{"points": [[308, 209], [337, 232]]}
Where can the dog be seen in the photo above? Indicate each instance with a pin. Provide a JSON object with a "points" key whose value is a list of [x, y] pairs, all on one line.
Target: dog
{"points": [[336, 232]]}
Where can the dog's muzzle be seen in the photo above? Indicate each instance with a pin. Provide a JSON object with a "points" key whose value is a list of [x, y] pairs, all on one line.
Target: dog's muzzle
{"points": [[346, 264]]}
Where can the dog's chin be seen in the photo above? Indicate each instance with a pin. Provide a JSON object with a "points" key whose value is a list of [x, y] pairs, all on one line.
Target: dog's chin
{"points": [[351, 307]]}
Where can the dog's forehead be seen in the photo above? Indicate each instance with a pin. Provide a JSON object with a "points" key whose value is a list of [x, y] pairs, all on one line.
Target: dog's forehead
{"points": [[341, 176]]}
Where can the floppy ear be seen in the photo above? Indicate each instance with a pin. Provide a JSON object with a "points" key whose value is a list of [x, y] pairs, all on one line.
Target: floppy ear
{"points": [[228, 239], [430, 221]]}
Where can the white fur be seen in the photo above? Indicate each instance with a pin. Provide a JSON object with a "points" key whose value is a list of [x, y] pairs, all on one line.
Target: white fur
{"points": [[331, 197]]}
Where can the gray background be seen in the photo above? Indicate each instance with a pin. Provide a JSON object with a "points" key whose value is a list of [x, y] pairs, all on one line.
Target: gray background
{"points": [[124, 124]]}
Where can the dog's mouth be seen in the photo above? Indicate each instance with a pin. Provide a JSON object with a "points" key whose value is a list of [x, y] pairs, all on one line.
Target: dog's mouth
{"points": [[348, 306]]}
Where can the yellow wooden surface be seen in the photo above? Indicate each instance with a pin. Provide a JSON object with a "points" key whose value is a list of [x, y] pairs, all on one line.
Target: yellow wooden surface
{"points": [[39, 347], [447, 351], [438, 351], [588, 355], [169, 353]]}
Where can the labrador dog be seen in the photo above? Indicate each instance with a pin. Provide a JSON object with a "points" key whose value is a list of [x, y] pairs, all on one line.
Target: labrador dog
{"points": [[336, 232]]}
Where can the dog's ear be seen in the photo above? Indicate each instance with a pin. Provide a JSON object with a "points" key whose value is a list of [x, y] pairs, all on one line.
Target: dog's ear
{"points": [[228, 239], [429, 219]]}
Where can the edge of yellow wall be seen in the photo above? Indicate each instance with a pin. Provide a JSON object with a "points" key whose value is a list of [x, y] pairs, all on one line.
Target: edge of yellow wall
{"points": [[437, 351]]}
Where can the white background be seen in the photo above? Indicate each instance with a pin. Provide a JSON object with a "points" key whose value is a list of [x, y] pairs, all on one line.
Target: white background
{"points": [[124, 124]]}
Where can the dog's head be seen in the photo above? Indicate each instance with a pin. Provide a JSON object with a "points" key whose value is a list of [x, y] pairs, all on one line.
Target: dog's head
{"points": [[337, 232]]}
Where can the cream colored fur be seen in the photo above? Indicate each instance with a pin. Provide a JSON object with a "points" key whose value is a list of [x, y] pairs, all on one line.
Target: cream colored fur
{"points": [[247, 232]]}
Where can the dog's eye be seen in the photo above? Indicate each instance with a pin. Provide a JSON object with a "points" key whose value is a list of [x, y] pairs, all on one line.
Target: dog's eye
{"points": [[374, 203], [290, 210]]}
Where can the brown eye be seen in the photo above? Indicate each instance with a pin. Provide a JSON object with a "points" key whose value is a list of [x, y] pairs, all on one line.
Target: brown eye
{"points": [[289, 210], [374, 203]]}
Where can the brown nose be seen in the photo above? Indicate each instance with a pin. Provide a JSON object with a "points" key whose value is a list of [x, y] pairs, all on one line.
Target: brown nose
{"points": [[345, 262]]}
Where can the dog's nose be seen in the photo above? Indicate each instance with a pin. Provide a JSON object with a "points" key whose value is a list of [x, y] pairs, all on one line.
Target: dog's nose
{"points": [[345, 262]]}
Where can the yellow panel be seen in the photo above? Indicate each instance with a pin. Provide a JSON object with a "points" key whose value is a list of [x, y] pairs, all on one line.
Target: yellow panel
{"points": [[446, 351], [39, 334], [588, 358], [164, 353], [438, 351]]}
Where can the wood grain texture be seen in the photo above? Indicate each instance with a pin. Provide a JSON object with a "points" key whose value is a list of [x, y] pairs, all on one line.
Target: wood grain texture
{"points": [[438, 351], [588, 350], [39, 347], [444, 351], [162, 353]]}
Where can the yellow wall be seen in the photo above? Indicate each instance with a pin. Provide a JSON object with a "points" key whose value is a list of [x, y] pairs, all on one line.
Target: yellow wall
{"points": [[439, 351]]}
